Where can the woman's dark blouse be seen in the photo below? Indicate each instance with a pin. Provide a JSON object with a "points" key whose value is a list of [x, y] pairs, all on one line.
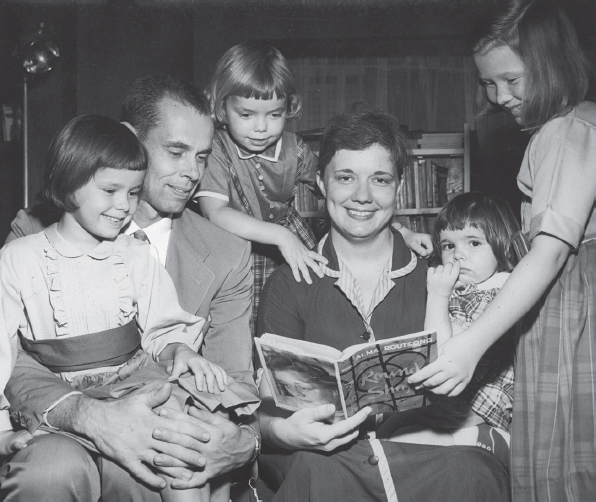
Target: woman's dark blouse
{"points": [[321, 312]]}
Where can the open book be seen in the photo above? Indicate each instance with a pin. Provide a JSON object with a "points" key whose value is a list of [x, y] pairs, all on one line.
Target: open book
{"points": [[304, 374]]}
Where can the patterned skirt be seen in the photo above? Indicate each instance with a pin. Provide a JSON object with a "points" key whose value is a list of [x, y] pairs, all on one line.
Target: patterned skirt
{"points": [[553, 443]]}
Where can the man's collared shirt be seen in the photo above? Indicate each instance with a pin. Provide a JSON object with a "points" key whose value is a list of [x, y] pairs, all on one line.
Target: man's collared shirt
{"points": [[158, 234]]}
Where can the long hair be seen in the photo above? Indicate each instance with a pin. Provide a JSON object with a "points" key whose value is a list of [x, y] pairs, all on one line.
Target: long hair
{"points": [[253, 70], [83, 146], [556, 68], [490, 214]]}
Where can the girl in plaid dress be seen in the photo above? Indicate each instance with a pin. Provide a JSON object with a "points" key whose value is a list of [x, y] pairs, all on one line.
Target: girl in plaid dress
{"points": [[531, 64], [253, 172]]}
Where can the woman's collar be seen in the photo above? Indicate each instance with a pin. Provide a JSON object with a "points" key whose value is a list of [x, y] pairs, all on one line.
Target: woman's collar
{"points": [[402, 257]]}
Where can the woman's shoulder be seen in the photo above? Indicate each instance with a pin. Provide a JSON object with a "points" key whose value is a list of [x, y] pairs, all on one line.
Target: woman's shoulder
{"points": [[581, 116]]}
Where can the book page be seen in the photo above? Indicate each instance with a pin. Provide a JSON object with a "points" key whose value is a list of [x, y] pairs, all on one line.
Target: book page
{"points": [[376, 375], [298, 380]]}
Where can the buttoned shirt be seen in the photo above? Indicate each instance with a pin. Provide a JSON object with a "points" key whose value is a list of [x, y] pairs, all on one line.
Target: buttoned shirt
{"points": [[326, 311], [267, 178]]}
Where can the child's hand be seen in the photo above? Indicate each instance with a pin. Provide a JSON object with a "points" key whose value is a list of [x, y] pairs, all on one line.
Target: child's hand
{"points": [[13, 441], [452, 370], [421, 244], [299, 258], [441, 280], [206, 373]]}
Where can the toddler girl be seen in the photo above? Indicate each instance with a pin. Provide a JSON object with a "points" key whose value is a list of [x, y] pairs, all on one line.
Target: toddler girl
{"points": [[471, 240], [532, 66], [253, 172], [93, 305]]}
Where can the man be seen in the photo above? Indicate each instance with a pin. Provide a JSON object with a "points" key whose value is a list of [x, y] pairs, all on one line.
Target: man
{"points": [[211, 271]]}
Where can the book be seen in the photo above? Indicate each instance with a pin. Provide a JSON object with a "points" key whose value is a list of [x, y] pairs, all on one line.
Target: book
{"points": [[303, 374]]}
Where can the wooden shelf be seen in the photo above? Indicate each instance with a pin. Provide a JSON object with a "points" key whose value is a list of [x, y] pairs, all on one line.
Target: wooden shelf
{"points": [[438, 152], [414, 212]]}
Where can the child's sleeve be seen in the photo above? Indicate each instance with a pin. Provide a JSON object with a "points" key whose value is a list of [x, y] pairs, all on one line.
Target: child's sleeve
{"points": [[161, 319], [217, 181], [11, 314]]}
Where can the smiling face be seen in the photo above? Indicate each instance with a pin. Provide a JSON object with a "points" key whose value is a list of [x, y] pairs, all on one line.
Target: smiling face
{"points": [[105, 204], [177, 151], [255, 124], [475, 255], [502, 76], [360, 189]]}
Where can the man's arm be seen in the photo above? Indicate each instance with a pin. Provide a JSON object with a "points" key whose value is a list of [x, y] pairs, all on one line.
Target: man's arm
{"points": [[228, 342]]}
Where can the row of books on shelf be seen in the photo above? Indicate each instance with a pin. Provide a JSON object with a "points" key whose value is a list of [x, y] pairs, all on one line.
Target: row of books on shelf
{"points": [[306, 202], [431, 182]]}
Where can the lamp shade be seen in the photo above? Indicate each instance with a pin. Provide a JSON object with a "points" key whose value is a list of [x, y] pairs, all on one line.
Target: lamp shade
{"points": [[39, 56]]}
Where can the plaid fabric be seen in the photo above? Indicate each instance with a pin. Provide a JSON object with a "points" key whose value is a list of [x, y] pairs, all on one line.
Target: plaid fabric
{"points": [[266, 258], [553, 443], [491, 389]]}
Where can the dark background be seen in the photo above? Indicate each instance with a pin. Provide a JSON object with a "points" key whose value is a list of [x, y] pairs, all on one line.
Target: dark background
{"points": [[105, 45]]}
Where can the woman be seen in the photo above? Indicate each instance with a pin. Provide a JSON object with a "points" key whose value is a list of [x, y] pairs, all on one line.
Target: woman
{"points": [[373, 288]]}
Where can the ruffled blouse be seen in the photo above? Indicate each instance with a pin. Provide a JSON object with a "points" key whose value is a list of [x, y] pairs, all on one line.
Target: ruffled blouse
{"points": [[49, 289]]}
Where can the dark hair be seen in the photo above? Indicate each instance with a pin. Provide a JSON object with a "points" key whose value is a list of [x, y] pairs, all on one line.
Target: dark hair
{"points": [[490, 214], [359, 131], [82, 147], [254, 70], [556, 68], [140, 107]]}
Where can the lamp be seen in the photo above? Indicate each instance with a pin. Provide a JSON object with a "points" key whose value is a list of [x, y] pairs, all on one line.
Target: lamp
{"points": [[38, 56]]}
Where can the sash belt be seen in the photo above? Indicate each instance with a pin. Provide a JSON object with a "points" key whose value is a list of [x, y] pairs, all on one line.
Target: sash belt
{"points": [[95, 350]]}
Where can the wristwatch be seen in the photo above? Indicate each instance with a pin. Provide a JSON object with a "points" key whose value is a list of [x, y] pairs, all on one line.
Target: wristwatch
{"points": [[257, 441]]}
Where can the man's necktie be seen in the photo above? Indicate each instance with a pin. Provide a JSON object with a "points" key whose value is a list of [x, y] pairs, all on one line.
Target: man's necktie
{"points": [[141, 235]]}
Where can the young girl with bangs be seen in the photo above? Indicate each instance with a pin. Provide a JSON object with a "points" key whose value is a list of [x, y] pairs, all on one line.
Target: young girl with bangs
{"points": [[253, 173], [95, 306], [531, 64]]}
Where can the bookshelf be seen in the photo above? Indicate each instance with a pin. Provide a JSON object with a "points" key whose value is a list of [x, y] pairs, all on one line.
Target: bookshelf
{"points": [[438, 171]]}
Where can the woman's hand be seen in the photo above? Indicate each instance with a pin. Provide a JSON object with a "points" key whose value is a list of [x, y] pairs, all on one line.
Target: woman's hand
{"points": [[452, 370], [306, 429], [206, 373], [13, 441], [299, 258], [441, 280]]}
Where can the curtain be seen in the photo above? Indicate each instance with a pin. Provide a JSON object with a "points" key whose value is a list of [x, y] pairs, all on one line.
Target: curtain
{"points": [[434, 93]]}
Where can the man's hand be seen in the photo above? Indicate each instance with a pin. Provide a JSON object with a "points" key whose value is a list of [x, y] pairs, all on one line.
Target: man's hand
{"points": [[127, 431], [228, 446], [306, 429]]}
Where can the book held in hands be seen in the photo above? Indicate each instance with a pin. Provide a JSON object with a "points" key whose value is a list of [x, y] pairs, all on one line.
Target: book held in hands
{"points": [[303, 374]]}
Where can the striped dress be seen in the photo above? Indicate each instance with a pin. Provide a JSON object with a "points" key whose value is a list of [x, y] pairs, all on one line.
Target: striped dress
{"points": [[554, 416]]}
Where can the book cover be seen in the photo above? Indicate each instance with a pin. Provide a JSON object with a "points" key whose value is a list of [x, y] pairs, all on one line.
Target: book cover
{"points": [[305, 374]]}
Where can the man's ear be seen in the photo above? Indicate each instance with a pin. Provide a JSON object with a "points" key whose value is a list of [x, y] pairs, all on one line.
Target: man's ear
{"points": [[321, 184], [130, 127]]}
